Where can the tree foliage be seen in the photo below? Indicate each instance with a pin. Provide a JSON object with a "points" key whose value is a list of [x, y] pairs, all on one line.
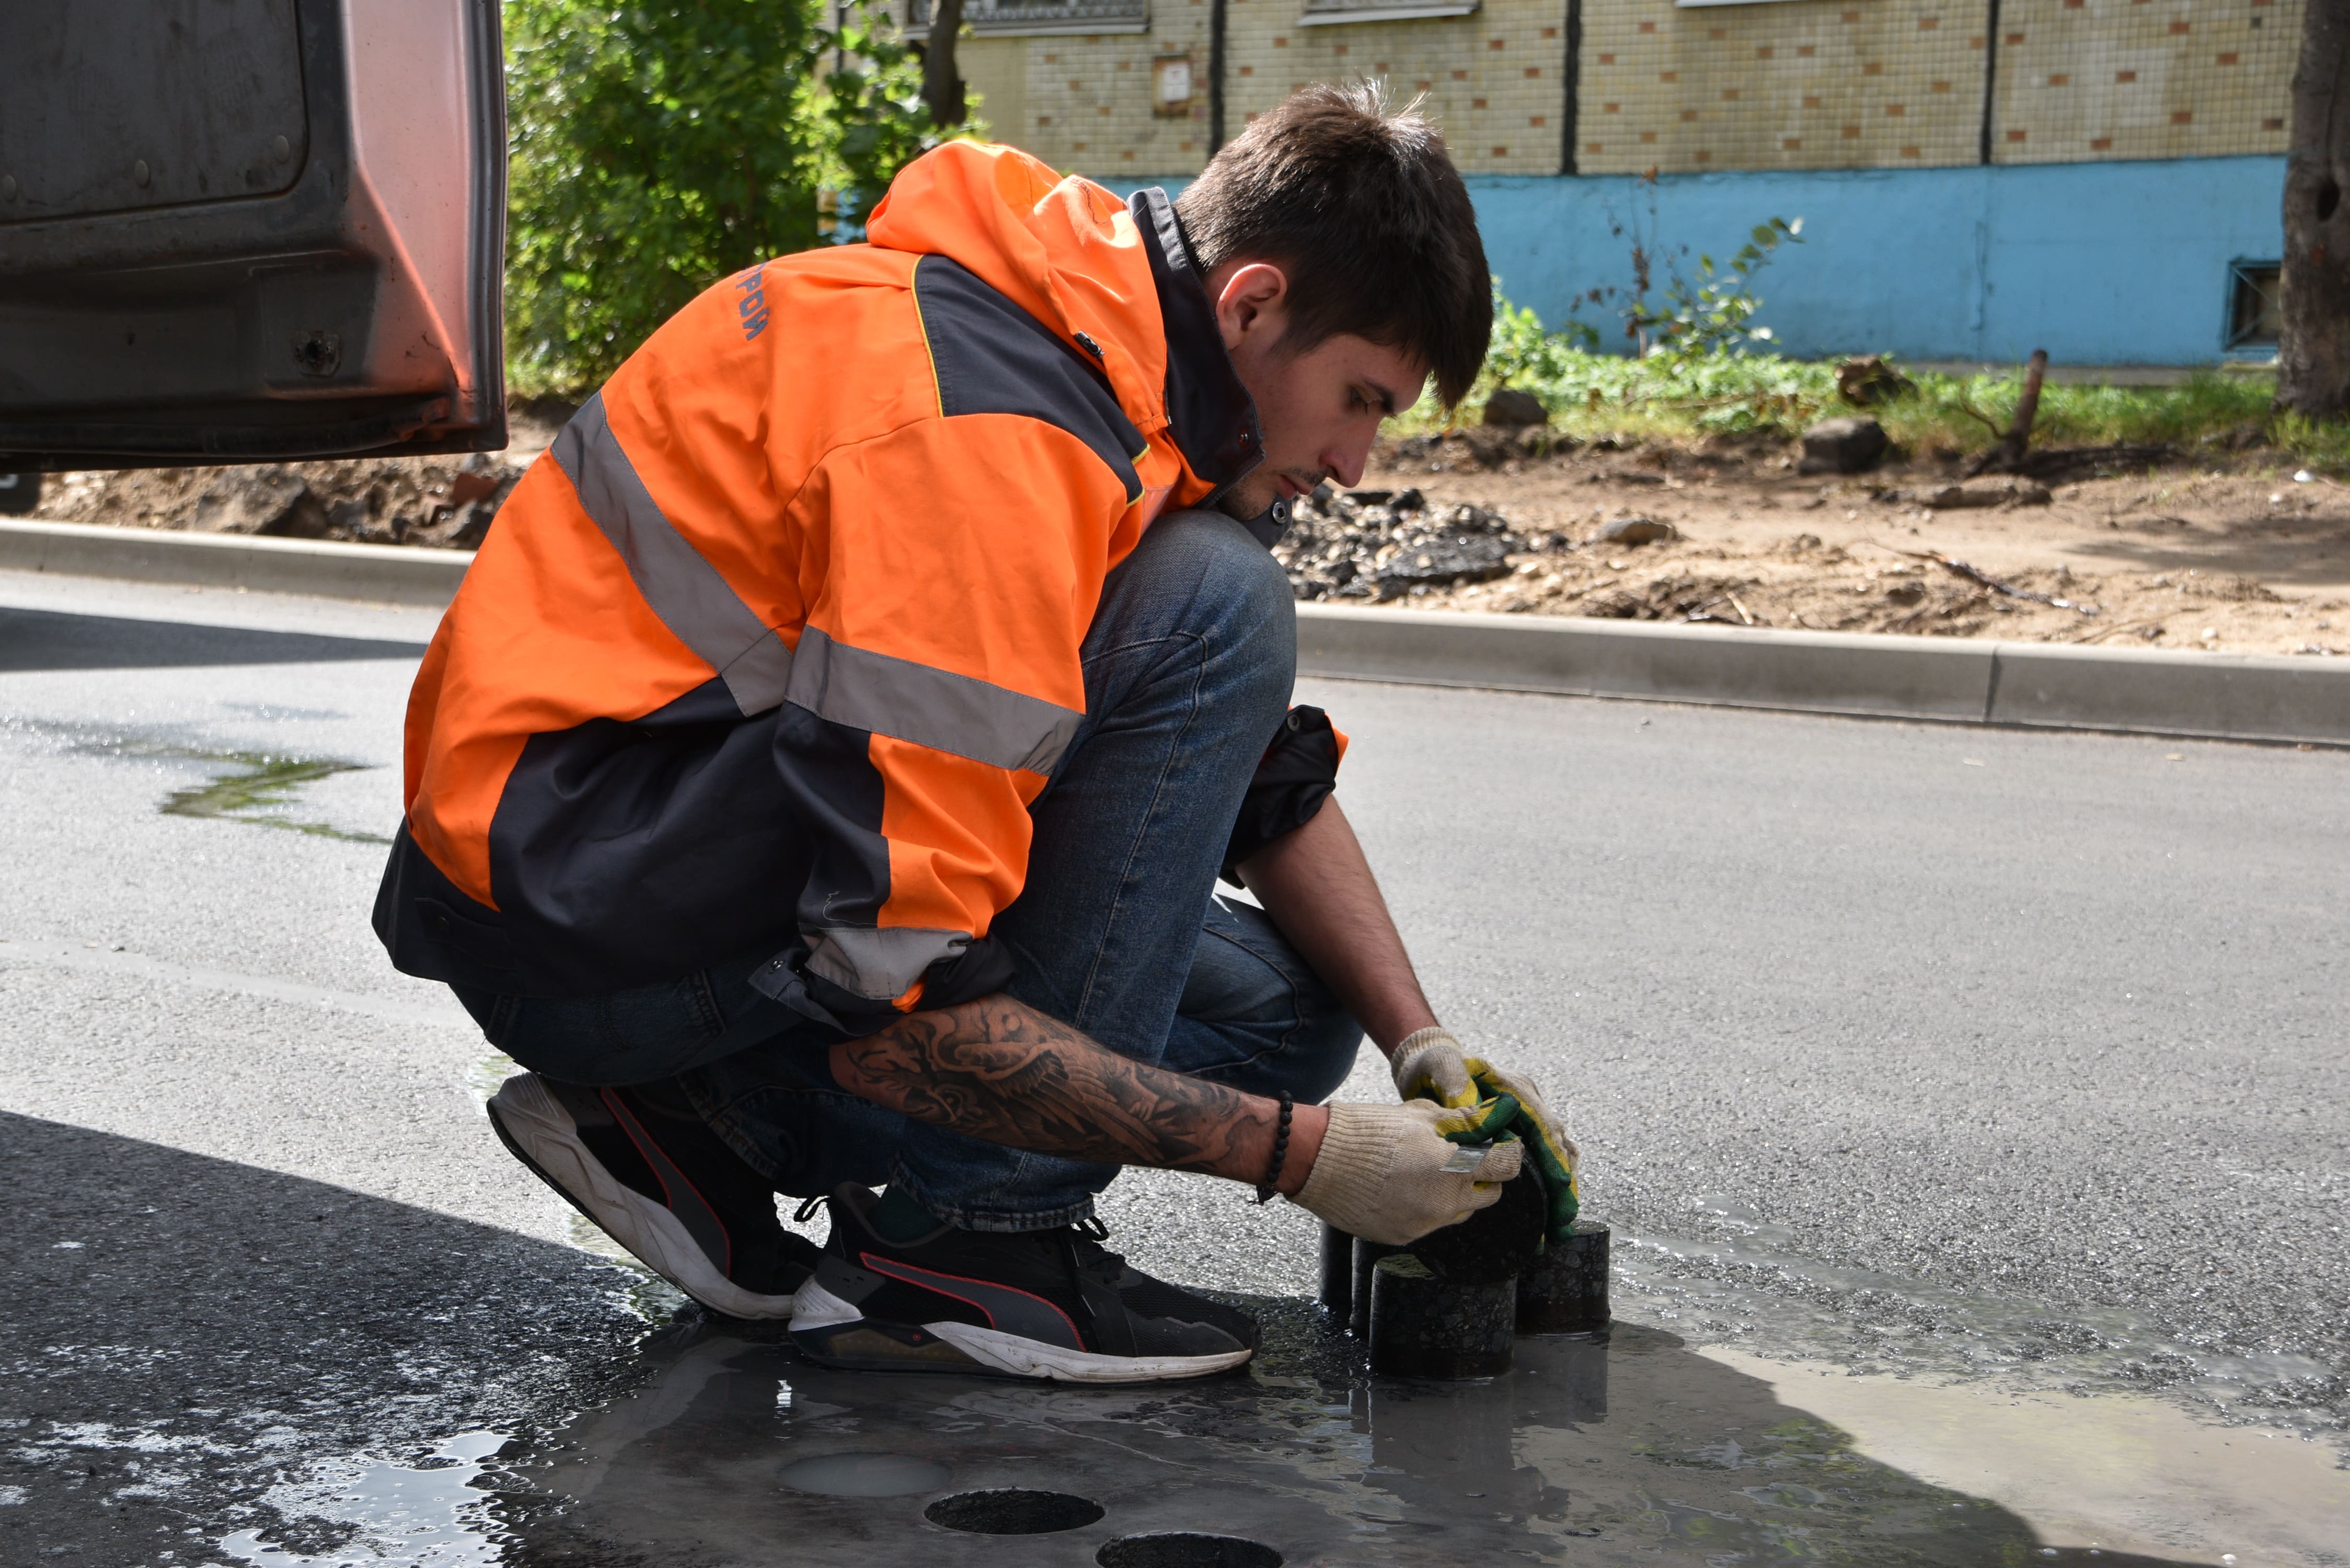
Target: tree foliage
{"points": [[659, 145]]}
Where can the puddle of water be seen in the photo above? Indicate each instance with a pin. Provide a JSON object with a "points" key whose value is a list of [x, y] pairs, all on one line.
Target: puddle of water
{"points": [[374, 1512], [1638, 1449], [2106, 1473], [866, 1475]]}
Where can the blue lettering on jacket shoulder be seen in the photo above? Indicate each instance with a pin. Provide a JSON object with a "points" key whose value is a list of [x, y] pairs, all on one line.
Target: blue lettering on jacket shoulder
{"points": [[752, 303]]}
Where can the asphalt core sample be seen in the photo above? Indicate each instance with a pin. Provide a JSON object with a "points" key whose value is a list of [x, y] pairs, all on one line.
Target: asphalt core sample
{"points": [[1564, 1291], [1423, 1325], [1012, 1511], [1186, 1550], [1496, 1243]]}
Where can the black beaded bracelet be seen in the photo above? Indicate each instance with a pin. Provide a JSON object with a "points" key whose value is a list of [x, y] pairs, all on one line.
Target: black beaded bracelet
{"points": [[1264, 1189]]}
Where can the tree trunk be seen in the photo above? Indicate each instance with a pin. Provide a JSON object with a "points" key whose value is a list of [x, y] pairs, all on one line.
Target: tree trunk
{"points": [[943, 90], [2314, 353], [2007, 454]]}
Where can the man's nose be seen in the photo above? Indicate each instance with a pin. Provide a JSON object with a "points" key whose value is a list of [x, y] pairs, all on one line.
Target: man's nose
{"points": [[1345, 462]]}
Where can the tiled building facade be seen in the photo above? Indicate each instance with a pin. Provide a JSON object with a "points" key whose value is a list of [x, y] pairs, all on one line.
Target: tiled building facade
{"points": [[1678, 87]]}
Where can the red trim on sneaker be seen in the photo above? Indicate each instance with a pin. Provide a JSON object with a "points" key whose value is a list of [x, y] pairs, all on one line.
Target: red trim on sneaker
{"points": [[657, 1160], [906, 1273]]}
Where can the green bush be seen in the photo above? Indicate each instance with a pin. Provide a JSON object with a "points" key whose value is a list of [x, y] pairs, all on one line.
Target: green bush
{"points": [[656, 148], [1677, 388]]}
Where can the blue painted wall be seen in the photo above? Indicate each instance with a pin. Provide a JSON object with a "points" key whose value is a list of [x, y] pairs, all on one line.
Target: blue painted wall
{"points": [[2100, 263]]}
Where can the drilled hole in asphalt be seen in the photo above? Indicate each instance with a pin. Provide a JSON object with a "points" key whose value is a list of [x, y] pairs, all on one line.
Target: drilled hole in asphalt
{"points": [[1183, 1549], [1011, 1511], [865, 1475]]}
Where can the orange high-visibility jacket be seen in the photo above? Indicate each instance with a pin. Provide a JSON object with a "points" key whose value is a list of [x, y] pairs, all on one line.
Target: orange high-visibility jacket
{"points": [[772, 648]]}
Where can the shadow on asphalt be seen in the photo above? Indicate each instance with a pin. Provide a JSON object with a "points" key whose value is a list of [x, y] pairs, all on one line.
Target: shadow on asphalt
{"points": [[47, 640], [236, 1366], [179, 1332]]}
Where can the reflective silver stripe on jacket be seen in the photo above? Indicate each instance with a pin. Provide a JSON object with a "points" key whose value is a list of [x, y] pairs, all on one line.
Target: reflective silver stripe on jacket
{"points": [[933, 708], [683, 588], [879, 965]]}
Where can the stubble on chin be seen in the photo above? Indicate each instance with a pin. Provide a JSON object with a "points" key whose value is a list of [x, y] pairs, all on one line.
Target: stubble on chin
{"points": [[1248, 498]]}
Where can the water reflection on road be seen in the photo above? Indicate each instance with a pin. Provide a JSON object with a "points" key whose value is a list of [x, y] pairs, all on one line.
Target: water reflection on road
{"points": [[1636, 1449]]}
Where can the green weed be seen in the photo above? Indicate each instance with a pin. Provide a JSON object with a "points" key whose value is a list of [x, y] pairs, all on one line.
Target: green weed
{"points": [[261, 785], [1680, 395]]}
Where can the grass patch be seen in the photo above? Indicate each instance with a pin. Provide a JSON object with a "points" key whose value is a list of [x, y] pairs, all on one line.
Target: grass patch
{"points": [[260, 786], [1686, 397], [245, 787]]}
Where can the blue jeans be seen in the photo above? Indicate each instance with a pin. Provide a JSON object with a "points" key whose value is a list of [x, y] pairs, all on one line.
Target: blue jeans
{"points": [[1187, 667]]}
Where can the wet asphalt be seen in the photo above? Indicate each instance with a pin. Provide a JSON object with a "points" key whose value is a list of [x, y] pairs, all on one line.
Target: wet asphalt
{"points": [[1909, 1046]]}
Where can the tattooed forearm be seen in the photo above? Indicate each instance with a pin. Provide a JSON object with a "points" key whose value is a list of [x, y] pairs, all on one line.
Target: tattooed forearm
{"points": [[1000, 1070]]}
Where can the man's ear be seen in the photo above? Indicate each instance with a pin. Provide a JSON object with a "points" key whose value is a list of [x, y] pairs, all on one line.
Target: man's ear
{"points": [[1252, 304]]}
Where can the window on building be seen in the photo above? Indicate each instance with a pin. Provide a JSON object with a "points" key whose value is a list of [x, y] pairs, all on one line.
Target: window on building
{"points": [[1335, 13], [1002, 17], [2255, 314]]}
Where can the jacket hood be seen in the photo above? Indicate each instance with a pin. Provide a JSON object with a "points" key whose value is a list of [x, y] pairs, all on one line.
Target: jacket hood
{"points": [[1091, 268]]}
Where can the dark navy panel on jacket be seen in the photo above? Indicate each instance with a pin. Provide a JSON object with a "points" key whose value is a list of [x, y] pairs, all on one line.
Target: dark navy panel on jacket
{"points": [[993, 357]]}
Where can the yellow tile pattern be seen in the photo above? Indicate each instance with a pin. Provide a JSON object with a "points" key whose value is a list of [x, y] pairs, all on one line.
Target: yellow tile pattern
{"points": [[1492, 79], [1082, 102], [1796, 84], [1810, 84], [2090, 80]]}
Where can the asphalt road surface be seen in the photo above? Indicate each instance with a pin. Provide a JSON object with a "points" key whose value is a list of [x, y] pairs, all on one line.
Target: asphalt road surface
{"points": [[1920, 1049]]}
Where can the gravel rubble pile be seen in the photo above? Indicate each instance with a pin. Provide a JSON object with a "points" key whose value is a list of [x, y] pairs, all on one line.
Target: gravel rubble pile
{"points": [[1382, 545]]}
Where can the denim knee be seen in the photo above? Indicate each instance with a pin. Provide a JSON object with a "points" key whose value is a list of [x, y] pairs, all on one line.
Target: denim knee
{"points": [[1321, 1053], [1202, 574], [1254, 1016]]}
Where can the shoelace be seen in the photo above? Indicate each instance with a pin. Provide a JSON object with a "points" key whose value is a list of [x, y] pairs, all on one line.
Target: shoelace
{"points": [[807, 1211], [1084, 1238]]}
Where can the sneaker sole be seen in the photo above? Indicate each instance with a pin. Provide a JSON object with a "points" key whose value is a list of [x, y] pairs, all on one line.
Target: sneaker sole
{"points": [[539, 1132], [822, 1315]]}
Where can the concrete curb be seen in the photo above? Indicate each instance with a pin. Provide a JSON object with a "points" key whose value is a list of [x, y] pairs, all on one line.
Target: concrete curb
{"points": [[382, 574], [2240, 697]]}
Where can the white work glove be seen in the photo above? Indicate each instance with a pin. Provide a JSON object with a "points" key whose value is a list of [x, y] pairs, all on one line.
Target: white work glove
{"points": [[1430, 1061], [1385, 1173]]}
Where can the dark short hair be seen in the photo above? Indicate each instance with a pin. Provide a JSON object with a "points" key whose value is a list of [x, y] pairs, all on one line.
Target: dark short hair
{"points": [[1361, 205]]}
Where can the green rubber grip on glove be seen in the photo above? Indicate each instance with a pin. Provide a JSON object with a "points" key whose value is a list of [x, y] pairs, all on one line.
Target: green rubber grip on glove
{"points": [[1489, 1121], [1545, 1161]]}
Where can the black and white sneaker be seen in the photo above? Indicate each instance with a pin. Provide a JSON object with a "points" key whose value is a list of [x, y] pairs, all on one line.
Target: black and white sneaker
{"points": [[1051, 1305], [657, 1182]]}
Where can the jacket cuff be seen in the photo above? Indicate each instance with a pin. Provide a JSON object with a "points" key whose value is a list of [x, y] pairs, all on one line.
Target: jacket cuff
{"points": [[983, 966]]}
